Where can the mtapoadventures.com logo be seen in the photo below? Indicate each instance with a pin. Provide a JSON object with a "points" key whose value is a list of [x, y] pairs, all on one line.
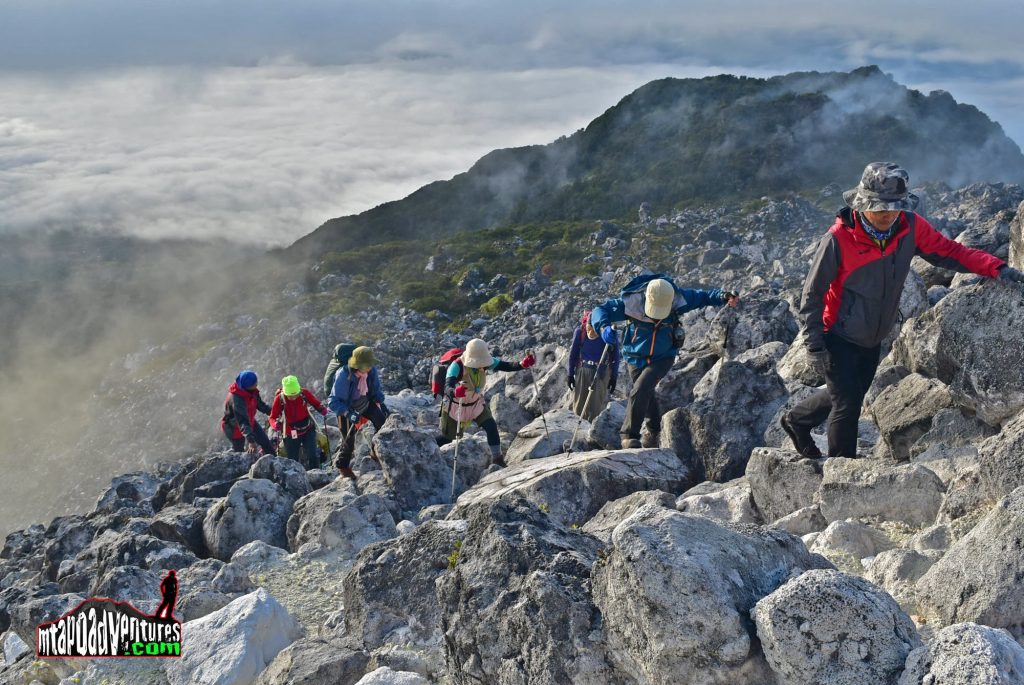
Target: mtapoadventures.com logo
{"points": [[100, 627]]}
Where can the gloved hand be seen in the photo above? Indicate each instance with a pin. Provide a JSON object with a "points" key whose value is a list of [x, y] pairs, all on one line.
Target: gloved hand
{"points": [[609, 335], [250, 446], [571, 381], [460, 391], [352, 417], [528, 361], [819, 362], [323, 413], [384, 410], [611, 384], [1008, 274]]}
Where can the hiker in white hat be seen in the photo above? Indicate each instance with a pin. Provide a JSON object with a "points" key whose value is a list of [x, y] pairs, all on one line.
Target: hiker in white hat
{"points": [[652, 305]]}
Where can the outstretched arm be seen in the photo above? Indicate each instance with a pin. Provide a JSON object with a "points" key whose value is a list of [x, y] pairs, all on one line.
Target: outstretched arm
{"points": [[606, 314], [939, 250]]}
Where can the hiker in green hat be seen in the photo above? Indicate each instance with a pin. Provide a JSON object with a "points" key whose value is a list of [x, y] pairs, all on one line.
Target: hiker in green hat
{"points": [[290, 417], [357, 394]]}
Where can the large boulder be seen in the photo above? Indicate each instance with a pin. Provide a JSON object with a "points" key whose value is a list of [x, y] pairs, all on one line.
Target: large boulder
{"points": [[971, 341], [130, 489], [516, 605], [731, 503], [904, 412], [855, 488], [339, 520], [676, 591], [829, 628], [732, 407], [847, 543], [615, 512], [388, 676], [781, 481], [65, 537], [1001, 459], [389, 593], [311, 661], [287, 473], [604, 431], [205, 477], [412, 464], [545, 436], [474, 460], [181, 523], [978, 579], [897, 571], [138, 587], [966, 654], [233, 646], [676, 388], [572, 488], [508, 413], [255, 509], [39, 606], [761, 318]]}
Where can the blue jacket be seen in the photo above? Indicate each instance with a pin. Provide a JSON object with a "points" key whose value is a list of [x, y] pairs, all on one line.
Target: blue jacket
{"points": [[646, 340], [345, 387]]}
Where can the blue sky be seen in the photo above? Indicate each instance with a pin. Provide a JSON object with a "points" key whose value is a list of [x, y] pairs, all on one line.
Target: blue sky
{"points": [[258, 120]]}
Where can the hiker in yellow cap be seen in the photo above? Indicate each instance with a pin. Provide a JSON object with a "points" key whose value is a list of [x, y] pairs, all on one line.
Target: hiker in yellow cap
{"points": [[290, 417], [652, 305]]}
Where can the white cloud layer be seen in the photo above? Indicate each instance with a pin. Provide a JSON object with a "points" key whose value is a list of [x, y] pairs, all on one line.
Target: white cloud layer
{"points": [[259, 121]]}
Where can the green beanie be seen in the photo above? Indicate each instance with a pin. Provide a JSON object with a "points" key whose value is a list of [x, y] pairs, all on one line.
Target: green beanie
{"points": [[290, 386], [362, 359]]}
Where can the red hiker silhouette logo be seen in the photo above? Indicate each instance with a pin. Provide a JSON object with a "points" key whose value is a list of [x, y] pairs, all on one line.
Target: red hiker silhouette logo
{"points": [[101, 627]]}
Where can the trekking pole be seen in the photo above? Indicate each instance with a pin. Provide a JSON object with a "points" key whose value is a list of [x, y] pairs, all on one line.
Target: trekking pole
{"points": [[543, 418], [327, 438], [590, 390], [455, 463]]}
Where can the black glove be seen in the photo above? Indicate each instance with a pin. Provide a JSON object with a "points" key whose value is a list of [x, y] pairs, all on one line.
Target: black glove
{"points": [[384, 410], [352, 417], [820, 362], [611, 384], [1008, 274], [571, 381]]}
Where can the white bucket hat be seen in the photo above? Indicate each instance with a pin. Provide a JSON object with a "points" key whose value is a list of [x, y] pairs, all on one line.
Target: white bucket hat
{"points": [[476, 355], [658, 298]]}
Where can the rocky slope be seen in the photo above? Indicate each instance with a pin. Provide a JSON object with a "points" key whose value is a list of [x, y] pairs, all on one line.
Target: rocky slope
{"points": [[718, 556]]}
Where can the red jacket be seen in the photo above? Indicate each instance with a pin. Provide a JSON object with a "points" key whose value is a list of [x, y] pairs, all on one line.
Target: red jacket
{"points": [[296, 415], [240, 407], [853, 287]]}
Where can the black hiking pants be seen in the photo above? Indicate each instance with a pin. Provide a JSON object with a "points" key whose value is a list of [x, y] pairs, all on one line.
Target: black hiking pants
{"points": [[347, 448], [303, 449], [851, 369], [642, 402]]}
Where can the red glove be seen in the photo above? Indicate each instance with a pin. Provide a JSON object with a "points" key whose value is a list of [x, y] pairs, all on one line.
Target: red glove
{"points": [[460, 391], [323, 413], [528, 361]]}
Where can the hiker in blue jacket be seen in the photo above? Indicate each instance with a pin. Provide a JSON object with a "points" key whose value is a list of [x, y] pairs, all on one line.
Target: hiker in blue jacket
{"points": [[652, 304], [357, 394]]}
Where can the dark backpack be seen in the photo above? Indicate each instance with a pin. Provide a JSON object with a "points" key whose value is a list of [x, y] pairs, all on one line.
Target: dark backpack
{"points": [[440, 370], [342, 352]]}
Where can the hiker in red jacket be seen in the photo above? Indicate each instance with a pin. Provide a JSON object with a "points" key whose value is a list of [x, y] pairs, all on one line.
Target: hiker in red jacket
{"points": [[290, 417], [239, 421], [852, 293]]}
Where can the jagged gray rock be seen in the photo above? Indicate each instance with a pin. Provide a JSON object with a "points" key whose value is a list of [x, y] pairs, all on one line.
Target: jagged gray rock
{"points": [[676, 388], [255, 509], [311, 661], [676, 593], [971, 341], [545, 436], [903, 412], [781, 481], [615, 512], [389, 593], [966, 654], [412, 465], [1001, 459], [339, 520], [829, 628], [132, 488], [732, 407], [846, 543], [139, 587], [854, 488], [604, 431], [897, 571], [212, 476], [730, 504], [387, 676], [181, 523], [287, 473], [516, 607], [572, 488], [978, 579], [474, 459]]}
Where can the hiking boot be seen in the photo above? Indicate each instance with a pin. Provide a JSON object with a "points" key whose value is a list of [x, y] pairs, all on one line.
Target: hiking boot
{"points": [[496, 457], [650, 439], [801, 437], [630, 444], [347, 472]]}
